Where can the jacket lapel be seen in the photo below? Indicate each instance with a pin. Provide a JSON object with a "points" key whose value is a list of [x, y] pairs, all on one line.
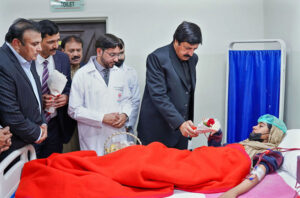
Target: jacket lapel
{"points": [[37, 79], [177, 65], [57, 64], [14, 59], [192, 73], [20, 69]]}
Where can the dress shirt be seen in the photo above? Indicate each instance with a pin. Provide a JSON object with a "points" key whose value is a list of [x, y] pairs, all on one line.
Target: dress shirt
{"points": [[99, 67], [39, 68]]}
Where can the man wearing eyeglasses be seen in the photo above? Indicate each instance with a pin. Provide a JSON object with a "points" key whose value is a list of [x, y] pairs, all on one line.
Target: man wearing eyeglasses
{"points": [[99, 98]]}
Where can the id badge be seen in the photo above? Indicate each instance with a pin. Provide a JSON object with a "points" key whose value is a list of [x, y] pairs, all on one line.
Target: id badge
{"points": [[119, 92]]}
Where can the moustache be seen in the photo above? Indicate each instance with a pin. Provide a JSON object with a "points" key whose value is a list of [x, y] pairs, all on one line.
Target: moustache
{"points": [[188, 56], [76, 57], [54, 49]]}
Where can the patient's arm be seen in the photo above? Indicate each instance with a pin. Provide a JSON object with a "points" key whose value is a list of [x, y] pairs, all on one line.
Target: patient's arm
{"points": [[269, 163], [215, 139], [244, 186]]}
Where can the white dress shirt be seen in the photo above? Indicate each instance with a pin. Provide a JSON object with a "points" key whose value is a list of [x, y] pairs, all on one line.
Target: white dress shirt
{"points": [[40, 67]]}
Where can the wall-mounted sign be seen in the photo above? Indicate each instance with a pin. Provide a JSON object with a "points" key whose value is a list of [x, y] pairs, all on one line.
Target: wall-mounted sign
{"points": [[66, 5]]}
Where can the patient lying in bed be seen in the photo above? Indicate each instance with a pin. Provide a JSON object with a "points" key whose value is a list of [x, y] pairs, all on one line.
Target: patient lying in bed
{"points": [[266, 135], [153, 170]]}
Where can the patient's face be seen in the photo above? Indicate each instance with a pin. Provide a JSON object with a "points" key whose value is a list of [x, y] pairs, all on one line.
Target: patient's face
{"points": [[263, 129]]}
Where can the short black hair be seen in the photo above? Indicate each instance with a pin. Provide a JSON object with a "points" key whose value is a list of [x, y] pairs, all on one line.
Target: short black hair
{"points": [[17, 29], [122, 42], [48, 28], [107, 41], [71, 38], [188, 32]]}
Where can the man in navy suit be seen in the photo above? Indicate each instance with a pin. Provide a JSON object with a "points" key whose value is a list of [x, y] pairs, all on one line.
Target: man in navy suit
{"points": [[21, 102], [60, 125], [167, 108]]}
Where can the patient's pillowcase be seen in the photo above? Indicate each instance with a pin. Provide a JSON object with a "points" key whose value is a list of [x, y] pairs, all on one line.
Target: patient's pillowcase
{"points": [[291, 140]]}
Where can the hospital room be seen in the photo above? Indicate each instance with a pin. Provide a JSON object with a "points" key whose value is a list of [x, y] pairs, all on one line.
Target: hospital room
{"points": [[217, 95]]}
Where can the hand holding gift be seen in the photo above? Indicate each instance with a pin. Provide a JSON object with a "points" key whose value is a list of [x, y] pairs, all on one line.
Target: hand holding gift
{"points": [[56, 84], [208, 125]]}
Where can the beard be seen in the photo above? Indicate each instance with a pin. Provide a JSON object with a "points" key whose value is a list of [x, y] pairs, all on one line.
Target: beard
{"points": [[120, 62], [107, 63]]}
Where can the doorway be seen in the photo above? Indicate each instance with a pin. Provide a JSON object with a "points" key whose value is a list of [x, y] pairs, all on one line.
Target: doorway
{"points": [[88, 31]]}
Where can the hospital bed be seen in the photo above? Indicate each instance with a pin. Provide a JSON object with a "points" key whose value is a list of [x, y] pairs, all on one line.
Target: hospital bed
{"points": [[9, 179], [282, 183]]}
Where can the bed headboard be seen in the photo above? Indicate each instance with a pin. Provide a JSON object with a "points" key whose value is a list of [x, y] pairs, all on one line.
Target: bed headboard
{"points": [[11, 168]]}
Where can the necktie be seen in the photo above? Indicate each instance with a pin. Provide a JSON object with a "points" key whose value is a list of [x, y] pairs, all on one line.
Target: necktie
{"points": [[187, 74], [45, 89], [106, 75]]}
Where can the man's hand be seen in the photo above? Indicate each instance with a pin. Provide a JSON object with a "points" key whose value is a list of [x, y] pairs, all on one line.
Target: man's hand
{"points": [[110, 118], [187, 130], [121, 121], [5, 139], [48, 101], [60, 100], [44, 134]]}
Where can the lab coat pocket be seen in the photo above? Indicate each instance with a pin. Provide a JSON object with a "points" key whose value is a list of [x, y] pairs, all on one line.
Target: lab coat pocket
{"points": [[118, 92]]}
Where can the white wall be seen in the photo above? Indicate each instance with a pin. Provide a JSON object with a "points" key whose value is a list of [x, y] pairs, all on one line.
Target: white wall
{"points": [[281, 20], [147, 25]]}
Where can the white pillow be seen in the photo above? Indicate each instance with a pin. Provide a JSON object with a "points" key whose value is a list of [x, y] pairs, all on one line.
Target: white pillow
{"points": [[291, 140]]}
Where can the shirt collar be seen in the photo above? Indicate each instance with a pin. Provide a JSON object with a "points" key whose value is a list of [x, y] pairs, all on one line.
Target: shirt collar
{"points": [[21, 60], [41, 59], [91, 66], [99, 67]]}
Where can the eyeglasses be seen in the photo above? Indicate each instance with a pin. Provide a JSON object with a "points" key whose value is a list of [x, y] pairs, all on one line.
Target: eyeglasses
{"points": [[113, 55]]}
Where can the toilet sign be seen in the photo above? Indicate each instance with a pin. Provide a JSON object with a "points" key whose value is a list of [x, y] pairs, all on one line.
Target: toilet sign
{"points": [[66, 5]]}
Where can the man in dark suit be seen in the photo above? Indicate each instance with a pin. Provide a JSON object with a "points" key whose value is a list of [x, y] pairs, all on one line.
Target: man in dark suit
{"points": [[60, 125], [21, 102], [167, 108]]}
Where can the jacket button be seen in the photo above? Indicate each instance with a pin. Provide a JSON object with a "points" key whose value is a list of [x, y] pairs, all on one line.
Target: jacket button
{"points": [[186, 92]]}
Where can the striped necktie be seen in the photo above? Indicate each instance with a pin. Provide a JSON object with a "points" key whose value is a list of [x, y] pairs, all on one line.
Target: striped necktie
{"points": [[45, 89]]}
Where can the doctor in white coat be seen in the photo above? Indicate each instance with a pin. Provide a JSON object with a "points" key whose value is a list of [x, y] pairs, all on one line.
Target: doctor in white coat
{"points": [[134, 88], [100, 97]]}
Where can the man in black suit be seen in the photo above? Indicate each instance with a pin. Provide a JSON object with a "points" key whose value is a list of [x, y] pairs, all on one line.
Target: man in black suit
{"points": [[21, 102], [167, 108], [60, 125]]}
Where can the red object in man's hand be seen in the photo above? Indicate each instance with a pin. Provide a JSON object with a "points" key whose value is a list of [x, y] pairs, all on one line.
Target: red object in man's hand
{"points": [[210, 122], [194, 127]]}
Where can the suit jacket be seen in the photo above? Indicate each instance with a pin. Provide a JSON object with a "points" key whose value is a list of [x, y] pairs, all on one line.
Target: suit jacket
{"points": [[19, 108], [65, 122], [164, 105]]}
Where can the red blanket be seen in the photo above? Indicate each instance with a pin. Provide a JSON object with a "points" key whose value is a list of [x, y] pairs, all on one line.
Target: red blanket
{"points": [[136, 171]]}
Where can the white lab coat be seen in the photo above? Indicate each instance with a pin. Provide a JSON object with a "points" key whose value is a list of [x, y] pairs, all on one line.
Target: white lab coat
{"points": [[90, 98], [135, 93]]}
